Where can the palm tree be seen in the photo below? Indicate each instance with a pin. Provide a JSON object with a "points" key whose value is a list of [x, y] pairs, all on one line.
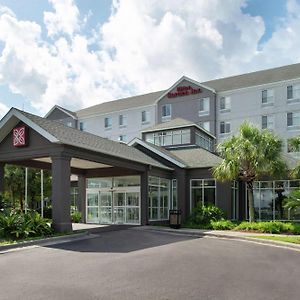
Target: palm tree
{"points": [[294, 145], [248, 156]]}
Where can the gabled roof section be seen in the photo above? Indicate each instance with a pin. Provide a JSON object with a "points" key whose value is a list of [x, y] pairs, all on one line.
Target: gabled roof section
{"points": [[159, 151], [197, 158], [191, 158], [175, 124], [181, 80], [255, 78], [120, 104], [66, 111], [56, 132]]}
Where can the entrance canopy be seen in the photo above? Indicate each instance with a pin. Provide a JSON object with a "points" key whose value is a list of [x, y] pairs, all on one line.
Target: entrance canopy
{"points": [[32, 141]]}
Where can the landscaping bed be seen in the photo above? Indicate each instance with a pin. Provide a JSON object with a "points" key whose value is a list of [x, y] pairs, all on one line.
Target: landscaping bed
{"points": [[213, 218]]}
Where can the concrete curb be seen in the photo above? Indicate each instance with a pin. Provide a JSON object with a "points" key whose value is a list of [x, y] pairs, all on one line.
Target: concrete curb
{"points": [[203, 233], [48, 241]]}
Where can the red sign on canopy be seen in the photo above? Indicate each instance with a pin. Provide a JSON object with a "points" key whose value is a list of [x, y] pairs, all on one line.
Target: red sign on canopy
{"points": [[20, 136]]}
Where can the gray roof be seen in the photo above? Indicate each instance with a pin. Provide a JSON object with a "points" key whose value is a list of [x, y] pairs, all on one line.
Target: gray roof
{"points": [[219, 85], [162, 150], [255, 78], [120, 104], [197, 158], [176, 123], [84, 140]]}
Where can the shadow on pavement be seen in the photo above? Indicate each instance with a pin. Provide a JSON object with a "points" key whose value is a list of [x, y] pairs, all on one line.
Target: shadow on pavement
{"points": [[122, 241]]}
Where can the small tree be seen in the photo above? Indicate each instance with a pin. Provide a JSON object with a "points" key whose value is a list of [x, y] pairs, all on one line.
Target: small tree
{"points": [[294, 145], [248, 156]]}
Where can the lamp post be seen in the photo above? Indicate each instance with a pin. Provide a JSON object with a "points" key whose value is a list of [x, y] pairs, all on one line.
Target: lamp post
{"points": [[42, 193]]}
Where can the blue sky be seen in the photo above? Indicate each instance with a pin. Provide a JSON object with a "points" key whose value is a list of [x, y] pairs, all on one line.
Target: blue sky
{"points": [[77, 53]]}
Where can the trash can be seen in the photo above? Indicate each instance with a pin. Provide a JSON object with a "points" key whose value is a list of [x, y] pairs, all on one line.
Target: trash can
{"points": [[175, 218]]}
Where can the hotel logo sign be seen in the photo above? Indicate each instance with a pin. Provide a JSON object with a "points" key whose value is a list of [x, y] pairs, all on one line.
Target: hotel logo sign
{"points": [[20, 138], [184, 91]]}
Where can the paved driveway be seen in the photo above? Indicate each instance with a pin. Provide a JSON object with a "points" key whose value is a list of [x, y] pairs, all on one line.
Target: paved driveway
{"points": [[133, 264]]}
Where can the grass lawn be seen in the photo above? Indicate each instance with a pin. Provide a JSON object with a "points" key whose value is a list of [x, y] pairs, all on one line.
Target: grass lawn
{"points": [[10, 241], [288, 239]]}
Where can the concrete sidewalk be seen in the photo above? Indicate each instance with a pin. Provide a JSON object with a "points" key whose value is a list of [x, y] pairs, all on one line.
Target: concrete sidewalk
{"points": [[237, 235]]}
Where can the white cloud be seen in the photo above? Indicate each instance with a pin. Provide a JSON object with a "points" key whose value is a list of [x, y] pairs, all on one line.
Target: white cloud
{"points": [[3, 109], [65, 19], [143, 46]]}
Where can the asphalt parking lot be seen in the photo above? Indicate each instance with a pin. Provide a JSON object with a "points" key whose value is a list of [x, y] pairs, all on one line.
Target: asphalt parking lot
{"points": [[135, 264]]}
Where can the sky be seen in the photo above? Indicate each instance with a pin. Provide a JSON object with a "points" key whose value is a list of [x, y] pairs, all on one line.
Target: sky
{"points": [[78, 53]]}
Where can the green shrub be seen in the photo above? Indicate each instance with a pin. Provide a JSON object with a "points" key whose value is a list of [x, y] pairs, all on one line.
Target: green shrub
{"points": [[203, 214], [76, 217], [16, 225], [269, 227], [222, 225]]}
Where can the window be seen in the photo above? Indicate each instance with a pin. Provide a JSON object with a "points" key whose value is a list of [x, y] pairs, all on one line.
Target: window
{"points": [[81, 126], [74, 199], [292, 146], [168, 138], [149, 137], [203, 141], [269, 200], [202, 191], [267, 122], [69, 124], [205, 125], [122, 120], [267, 97], [145, 117], [166, 112], [234, 200], [159, 198], [107, 123], [204, 106], [224, 127], [225, 104], [293, 119], [293, 93], [122, 138], [174, 194]]}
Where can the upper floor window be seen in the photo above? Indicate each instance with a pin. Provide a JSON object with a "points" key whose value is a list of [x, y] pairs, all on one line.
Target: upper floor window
{"points": [[224, 127], [205, 125], [81, 126], [122, 138], [204, 106], [293, 93], [267, 122], [69, 124], [293, 119], [166, 112], [122, 120], [107, 123], [145, 117], [225, 104], [267, 97]]}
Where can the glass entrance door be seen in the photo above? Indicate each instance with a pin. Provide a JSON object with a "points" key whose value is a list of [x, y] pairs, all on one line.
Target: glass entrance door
{"points": [[119, 205], [105, 207]]}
